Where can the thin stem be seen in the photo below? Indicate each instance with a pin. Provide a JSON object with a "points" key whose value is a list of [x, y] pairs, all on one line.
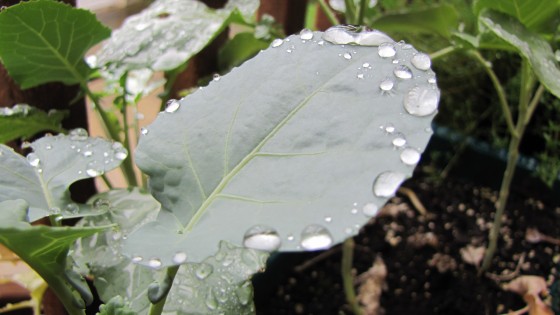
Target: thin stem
{"points": [[106, 181], [347, 278], [127, 167], [534, 102], [499, 89], [310, 14], [442, 52], [329, 12], [110, 129], [362, 11], [157, 309]]}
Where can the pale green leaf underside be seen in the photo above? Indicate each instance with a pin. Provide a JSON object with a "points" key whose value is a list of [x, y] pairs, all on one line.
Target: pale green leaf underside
{"points": [[60, 161], [295, 137], [16, 124], [45, 41], [221, 280], [44, 248], [531, 46], [166, 34]]}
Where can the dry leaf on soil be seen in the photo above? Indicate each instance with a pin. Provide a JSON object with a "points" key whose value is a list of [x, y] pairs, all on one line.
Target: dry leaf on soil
{"points": [[530, 288]]}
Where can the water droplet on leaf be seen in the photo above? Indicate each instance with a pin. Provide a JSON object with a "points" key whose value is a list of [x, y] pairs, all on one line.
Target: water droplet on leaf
{"points": [[386, 50], [421, 61], [347, 34], [306, 34], [387, 183], [136, 259], [347, 56], [277, 43], [387, 85], [328, 219], [203, 270], [172, 106], [33, 160], [315, 237], [410, 156], [154, 263], [179, 257], [421, 101], [262, 237], [399, 141], [144, 131], [403, 72], [78, 134], [93, 169], [370, 209], [216, 77]]}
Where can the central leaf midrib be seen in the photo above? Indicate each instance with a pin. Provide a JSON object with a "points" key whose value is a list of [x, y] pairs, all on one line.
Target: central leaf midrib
{"points": [[226, 179]]}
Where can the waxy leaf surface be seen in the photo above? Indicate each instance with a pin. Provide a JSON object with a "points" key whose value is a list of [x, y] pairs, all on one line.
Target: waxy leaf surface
{"points": [[289, 144]]}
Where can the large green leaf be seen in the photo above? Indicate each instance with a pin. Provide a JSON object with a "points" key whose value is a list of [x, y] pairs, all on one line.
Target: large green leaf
{"points": [[45, 41], [534, 14], [222, 279], [167, 34], [286, 148], [240, 48], [441, 20], [45, 249], [42, 179], [529, 44], [24, 121]]}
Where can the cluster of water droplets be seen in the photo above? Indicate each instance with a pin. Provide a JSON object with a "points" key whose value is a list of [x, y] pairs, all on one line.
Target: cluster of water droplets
{"points": [[18, 109]]}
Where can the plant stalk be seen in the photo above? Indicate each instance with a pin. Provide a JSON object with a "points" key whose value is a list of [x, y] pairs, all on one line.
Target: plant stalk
{"points": [[499, 89], [526, 109], [127, 167], [329, 12], [157, 309], [347, 278], [442, 52], [362, 12]]}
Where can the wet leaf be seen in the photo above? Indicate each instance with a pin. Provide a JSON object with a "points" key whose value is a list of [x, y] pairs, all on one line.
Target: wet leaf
{"points": [[168, 33], [294, 150], [529, 44], [24, 121], [43, 177], [45, 41], [44, 248]]}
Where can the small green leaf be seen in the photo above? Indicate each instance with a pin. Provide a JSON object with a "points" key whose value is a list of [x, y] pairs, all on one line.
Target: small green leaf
{"points": [[167, 34], [116, 306], [240, 48], [529, 44], [23, 121], [228, 269], [287, 149], [45, 41], [441, 20], [534, 14], [43, 248], [42, 179]]}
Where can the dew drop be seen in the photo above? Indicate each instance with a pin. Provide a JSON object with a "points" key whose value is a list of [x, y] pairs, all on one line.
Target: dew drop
{"points": [[366, 65], [315, 237], [328, 219], [421, 101], [277, 43], [360, 76], [78, 134], [154, 263], [101, 204], [348, 34], [72, 208], [87, 153], [399, 141], [290, 237], [172, 106], [432, 80], [179, 257], [33, 160], [48, 147], [421, 61], [387, 85], [386, 50], [403, 72], [93, 169], [370, 210], [410, 156], [347, 56], [387, 183], [203, 270], [136, 259], [216, 77], [262, 237], [306, 34], [389, 128], [144, 131]]}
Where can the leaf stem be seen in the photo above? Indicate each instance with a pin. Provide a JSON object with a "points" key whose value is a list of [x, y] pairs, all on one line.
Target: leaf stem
{"points": [[127, 166], [442, 52], [347, 278], [499, 89], [157, 309], [110, 129], [362, 12], [329, 12]]}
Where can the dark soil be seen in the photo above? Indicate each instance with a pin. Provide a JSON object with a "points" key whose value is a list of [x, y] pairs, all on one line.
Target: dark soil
{"points": [[424, 275]]}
